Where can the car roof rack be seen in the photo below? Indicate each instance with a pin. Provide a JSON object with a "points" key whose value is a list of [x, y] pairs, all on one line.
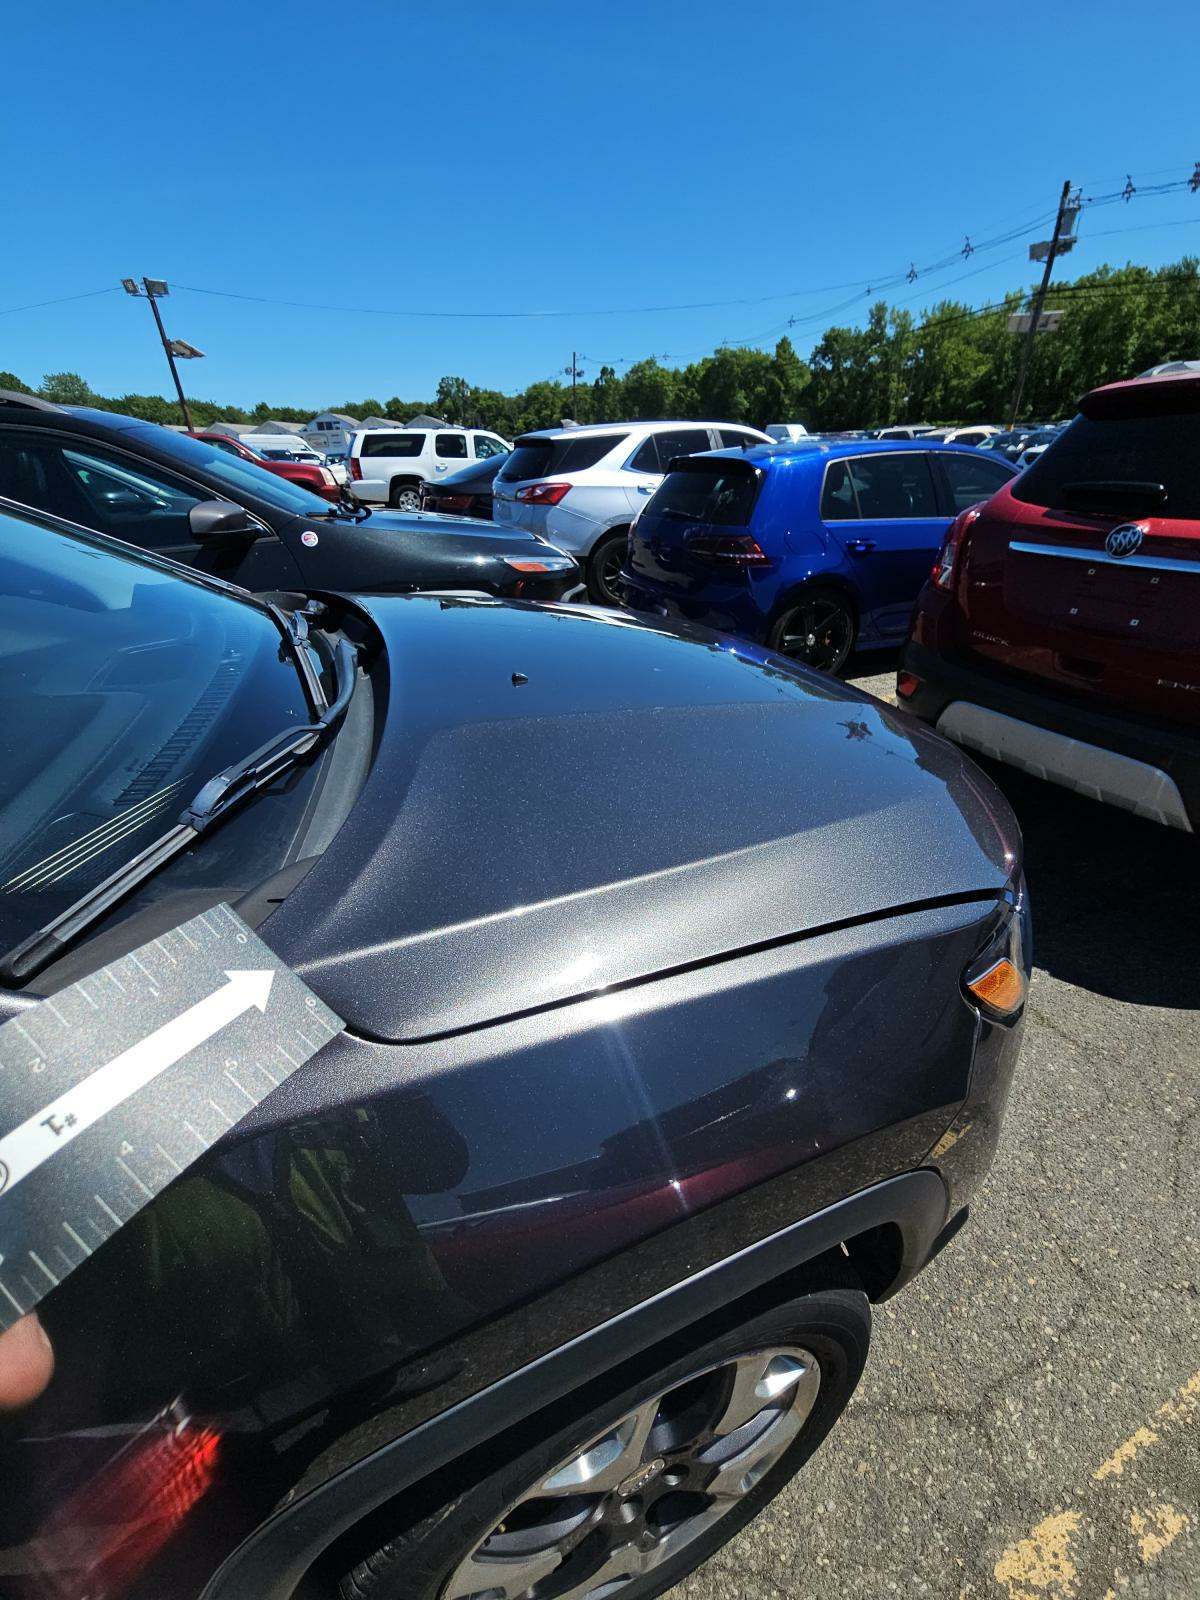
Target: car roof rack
{"points": [[30, 402]]}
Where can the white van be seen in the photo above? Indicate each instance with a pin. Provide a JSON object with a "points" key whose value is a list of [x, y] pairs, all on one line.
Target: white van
{"points": [[787, 432], [387, 466]]}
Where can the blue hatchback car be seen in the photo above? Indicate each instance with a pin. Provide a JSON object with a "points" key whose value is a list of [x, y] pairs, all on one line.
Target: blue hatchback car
{"points": [[814, 548]]}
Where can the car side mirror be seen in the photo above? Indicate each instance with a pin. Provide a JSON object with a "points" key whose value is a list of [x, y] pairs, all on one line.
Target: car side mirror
{"points": [[221, 519]]}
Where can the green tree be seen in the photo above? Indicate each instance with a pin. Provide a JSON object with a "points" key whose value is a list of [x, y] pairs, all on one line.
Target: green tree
{"points": [[649, 390], [453, 400], [67, 389], [10, 381], [608, 396]]}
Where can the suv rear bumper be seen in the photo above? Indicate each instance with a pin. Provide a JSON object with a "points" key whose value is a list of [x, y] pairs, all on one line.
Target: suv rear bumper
{"points": [[1152, 771]]}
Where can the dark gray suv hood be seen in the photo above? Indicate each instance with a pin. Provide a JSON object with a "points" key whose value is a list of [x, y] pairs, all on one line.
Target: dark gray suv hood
{"points": [[562, 800]]}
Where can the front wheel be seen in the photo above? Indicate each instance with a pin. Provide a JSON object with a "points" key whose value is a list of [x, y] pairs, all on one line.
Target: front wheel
{"points": [[405, 497], [604, 569], [818, 629], [641, 1491]]}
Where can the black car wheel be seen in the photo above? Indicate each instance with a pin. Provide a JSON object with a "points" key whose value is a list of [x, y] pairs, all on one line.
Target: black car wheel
{"points": [[604, 569], [405, 497], [819, 629], [645, 1488]]}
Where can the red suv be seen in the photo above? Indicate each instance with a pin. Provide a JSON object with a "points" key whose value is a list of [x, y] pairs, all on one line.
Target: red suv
{"points": [[1060, 629], [308, 474]]}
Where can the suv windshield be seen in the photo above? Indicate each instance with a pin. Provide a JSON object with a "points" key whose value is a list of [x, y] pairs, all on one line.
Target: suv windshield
{"points": [[126, 688], [1114, 450], [243, 477]]}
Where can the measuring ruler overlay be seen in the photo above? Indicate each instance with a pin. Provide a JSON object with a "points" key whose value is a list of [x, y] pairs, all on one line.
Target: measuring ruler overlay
{"points": [[117, 1084]]}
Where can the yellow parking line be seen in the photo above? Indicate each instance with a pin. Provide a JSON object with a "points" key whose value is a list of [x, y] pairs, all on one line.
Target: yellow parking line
{"points": [[1045, 1565]]}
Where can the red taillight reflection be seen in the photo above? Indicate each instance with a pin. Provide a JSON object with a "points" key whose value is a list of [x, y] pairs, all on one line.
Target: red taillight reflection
{"points": [[100, 1538], [907, 684], [730, 549]]}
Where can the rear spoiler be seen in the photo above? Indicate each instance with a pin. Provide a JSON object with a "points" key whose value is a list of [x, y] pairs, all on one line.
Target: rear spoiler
{"points": [[719, 460], [1144, 397]]}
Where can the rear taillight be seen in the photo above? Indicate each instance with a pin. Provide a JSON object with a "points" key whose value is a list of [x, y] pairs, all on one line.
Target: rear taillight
{"points": [[943, 567], [355, 467], [543, 494], [729, 549], [327, 477], [907, 684]]}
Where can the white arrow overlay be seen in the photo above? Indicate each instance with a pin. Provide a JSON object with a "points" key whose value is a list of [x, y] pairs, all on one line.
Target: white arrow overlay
{"points": [[55, 1125]]}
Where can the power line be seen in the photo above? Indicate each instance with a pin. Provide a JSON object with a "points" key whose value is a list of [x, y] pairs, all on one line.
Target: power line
{"points": [[88, 294]]}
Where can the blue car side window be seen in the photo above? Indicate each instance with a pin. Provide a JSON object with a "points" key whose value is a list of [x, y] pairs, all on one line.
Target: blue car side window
{"points": [[838, 500]]}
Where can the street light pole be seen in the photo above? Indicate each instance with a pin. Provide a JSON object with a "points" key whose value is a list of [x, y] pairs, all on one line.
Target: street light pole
{"points": [[1038, 301], [152, 288]]}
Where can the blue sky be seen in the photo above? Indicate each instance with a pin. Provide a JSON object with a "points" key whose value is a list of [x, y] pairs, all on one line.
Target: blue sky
{"points": [[585, 158]]}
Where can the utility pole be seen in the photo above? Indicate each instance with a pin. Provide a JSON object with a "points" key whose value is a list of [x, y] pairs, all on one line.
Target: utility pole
{"points": [[153, 289], [1038, 301], [574, 372]]}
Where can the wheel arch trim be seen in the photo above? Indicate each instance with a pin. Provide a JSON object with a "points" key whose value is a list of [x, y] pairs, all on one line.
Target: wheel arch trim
{"points": [[273, 1559], [817, 578]]}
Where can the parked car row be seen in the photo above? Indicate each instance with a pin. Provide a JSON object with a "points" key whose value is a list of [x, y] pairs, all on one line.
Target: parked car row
{"points": [[211, 504], [581, 488], [681, 988], [814, 549]]}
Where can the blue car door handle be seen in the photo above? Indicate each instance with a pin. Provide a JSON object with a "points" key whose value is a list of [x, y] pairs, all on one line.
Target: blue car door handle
{"points": [[860, 547]]}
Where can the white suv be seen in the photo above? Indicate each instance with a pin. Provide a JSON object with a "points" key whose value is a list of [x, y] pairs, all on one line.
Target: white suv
{"points": [[581, 488], [389, 465]]}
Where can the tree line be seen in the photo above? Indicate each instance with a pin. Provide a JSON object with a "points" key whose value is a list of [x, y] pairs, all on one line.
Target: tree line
{"points": [[954, 363]]}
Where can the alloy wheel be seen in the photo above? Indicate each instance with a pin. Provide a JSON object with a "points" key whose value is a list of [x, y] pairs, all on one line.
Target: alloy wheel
{"points": [[819, 632], [606, 571], [407, 499], [645, 1489]]}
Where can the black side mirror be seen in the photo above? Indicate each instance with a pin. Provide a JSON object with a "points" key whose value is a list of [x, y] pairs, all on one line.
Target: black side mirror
{"points": [[221, 519]]}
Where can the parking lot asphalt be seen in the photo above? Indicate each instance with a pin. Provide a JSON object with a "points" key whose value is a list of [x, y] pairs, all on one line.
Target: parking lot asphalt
{"points": [[1029, 1424]]}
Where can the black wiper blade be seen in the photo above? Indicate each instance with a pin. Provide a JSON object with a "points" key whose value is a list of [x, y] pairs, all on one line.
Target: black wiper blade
{"points": [[294, 627], [220, 795]]}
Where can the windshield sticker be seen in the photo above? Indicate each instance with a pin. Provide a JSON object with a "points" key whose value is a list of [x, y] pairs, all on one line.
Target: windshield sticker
{"points": [[117, 1084]]}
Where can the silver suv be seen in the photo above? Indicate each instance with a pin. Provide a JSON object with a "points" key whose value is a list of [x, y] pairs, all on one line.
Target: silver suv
{"points": [[581, 488]]}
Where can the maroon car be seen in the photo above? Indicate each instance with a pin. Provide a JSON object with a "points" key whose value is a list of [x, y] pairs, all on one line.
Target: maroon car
{"points": [[1060, 629], [308, 474]]}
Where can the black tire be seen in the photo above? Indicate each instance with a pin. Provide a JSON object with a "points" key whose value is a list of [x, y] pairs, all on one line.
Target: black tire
{"points": [[405, 497], [604, 568], [818, 628], [831, 1324]]}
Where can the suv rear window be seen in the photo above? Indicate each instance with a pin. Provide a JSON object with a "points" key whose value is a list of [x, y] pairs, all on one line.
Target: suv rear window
{"points": [[392, 444], [719, 499], [542, 458], [1115, 450]]}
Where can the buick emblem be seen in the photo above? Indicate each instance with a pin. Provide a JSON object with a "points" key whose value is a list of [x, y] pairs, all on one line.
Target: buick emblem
{"points": [[1123, 541]]}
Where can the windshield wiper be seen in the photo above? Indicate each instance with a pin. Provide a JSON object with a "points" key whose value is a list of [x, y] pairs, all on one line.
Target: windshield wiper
{"points": [[220, 795], [294, 627]]}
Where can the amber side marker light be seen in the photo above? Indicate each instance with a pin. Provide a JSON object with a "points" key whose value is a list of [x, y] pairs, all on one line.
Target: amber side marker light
{"points": [[1000, 988]]}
